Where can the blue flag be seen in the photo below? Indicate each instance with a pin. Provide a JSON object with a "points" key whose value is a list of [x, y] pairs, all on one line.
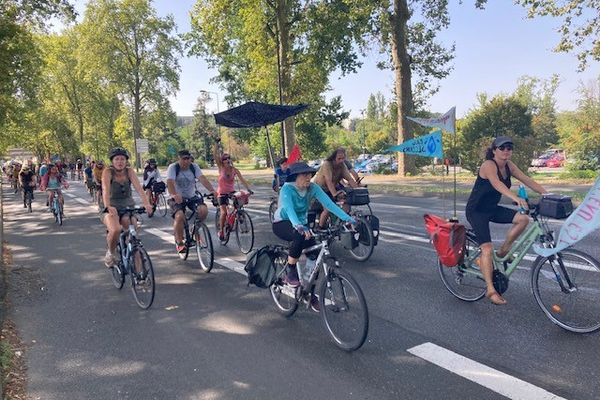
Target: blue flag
{"points": [[426, 146]]}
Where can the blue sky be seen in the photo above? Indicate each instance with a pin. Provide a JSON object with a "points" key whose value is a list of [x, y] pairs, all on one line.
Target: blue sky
{"points": [[494, 47]]}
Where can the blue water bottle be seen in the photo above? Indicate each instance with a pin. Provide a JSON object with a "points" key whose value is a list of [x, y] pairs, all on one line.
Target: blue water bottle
{"points": [[523, 195]]}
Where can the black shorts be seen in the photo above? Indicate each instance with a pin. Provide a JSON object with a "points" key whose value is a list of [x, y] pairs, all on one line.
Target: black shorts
{"points": [[224, 199], [192, 203], [480, 221]]}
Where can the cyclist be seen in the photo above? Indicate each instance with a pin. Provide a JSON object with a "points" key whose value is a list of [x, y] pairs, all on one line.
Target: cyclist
{"points": [[97, 174], [151, 176], [181, 182], [330, 175], [52, 183], [226, 184], [280, 174], [291, 218], [27, 181], [493, 181], [116, 193], [15, 175], [79, 166], [88, 175]]}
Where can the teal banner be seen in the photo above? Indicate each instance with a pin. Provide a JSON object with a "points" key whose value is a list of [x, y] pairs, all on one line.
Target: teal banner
{"points": [[426, 146]]}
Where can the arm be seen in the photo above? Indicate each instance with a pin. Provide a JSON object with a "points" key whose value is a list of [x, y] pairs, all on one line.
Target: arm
{"points": [[533, 185], [106, 175], [287, 203], [138, 187], [217, 156], [171, 184], [327, 203], [488, 171], [349, 178], [244, 182]]}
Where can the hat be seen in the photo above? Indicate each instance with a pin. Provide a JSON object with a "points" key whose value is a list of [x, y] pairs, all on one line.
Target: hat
{"points": [[151, 161], [298, 168], [500, 140], [183, 153]]}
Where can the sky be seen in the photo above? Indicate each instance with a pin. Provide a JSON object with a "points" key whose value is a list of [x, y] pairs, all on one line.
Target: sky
{"points": [[494, 48]]}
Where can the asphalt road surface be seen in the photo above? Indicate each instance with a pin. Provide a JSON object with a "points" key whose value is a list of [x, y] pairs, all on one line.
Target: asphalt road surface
{"points": [[210, 336]]}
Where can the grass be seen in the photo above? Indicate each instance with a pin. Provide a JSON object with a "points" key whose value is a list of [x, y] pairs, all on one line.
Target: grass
{"points": [[6, 357]]}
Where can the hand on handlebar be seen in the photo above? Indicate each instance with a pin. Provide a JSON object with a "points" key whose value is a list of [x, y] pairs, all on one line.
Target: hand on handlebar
{"points": [[303, 230]]}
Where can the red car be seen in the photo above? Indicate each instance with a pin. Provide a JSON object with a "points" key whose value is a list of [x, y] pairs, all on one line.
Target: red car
{"points": [[555, 162]]}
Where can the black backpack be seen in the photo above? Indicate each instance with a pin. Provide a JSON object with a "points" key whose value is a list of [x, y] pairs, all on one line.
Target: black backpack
{"points": [[260, 267]]}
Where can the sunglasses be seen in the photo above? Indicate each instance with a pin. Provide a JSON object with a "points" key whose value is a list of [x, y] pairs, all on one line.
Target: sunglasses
{"points": [[226, 158], [508, 147], [186, 158]]}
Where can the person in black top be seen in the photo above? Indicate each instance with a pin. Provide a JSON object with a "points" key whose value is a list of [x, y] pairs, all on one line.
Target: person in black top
{"points": [[493, 181]]}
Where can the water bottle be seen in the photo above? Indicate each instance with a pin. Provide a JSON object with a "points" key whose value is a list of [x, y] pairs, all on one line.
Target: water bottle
{"points": [[523, 195]]}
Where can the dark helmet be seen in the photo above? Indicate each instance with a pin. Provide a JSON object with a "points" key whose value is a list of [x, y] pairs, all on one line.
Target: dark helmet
{"points": [[152, 161], [118, 151]]}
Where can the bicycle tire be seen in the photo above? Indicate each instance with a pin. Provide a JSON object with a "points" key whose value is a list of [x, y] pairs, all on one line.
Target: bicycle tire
{"points": [[578, 309], [161, 205], [272, 209], [336, 292], [459, 281], [366, 241], [59, 214], [244, 232], [142, 283], [204, 247], [118, 277], [284, 296]]}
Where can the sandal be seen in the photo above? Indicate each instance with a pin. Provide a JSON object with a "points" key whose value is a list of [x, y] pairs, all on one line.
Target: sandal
{"points": [[496, 299]]}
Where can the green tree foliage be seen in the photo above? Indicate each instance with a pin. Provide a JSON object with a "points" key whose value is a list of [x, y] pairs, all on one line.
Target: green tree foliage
{"points": [[499, 116], [580, 25]]}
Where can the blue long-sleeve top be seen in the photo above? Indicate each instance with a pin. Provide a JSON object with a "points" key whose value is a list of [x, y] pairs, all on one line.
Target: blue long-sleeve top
{"points": [[294, 204]]}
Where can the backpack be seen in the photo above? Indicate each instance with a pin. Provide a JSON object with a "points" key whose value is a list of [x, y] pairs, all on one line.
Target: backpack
{"points": [[448, 239], [192, 167], [260, 267]]}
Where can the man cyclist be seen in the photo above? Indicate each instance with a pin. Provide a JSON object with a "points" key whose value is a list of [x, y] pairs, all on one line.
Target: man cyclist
{"points": [[27, 181], [181, 182], [79, 166], [329, 176], [280, 174], [151, 176]]}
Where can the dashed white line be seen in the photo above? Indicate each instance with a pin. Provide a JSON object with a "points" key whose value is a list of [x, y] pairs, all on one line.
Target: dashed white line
{"points": [[499, 382]]}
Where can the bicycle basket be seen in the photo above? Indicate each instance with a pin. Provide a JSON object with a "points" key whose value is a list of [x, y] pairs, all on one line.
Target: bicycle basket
{"points": [[241, 198], [555, 206], [349, 240], [159, 187], [357, 196]]}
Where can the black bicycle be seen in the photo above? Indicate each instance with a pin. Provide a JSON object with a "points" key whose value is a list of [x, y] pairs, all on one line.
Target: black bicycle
{"points": [[198, 236], [28, 198], [135, 262]]}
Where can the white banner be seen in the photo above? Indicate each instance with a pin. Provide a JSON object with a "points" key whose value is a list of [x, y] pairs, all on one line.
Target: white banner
{"points": [[445, 122], [585, 219]]}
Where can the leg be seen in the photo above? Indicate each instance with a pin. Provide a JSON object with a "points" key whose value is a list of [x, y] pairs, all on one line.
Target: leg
{"points": [[520, 222], [223, 216], [202, 211], [323, 217], [113, 229], [178, 225]]}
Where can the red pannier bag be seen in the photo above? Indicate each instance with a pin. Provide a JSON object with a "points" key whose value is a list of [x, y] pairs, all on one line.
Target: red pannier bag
{"points": [[448, 238]]}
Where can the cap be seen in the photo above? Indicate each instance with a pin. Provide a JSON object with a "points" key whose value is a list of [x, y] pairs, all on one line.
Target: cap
{"points": [[500, 140], [183, 153]]}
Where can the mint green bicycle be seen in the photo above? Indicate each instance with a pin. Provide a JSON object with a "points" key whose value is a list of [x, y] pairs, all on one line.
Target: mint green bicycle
{"points": [[566, 286]]}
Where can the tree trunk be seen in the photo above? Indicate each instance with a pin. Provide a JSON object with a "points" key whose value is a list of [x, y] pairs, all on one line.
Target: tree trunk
{"points": [[137, 124], [283, 41], [402, 77]]}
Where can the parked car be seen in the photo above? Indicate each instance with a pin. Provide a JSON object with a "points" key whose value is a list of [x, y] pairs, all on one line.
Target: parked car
{"points": [[556, 161], [541, 160], [316, 164]]}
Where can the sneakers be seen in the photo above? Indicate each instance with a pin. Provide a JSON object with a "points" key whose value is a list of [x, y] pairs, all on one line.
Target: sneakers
{"points": [[109, 259], [291, 278], [180, 247], [221, 235], [314, 303]]}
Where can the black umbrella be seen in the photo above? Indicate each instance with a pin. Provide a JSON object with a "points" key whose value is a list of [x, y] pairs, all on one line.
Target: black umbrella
{"points": [[256, 115]]}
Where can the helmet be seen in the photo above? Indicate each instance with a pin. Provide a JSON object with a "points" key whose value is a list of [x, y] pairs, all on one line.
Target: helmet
{"points": [[79, 160], [152, 161], [118, 151]]}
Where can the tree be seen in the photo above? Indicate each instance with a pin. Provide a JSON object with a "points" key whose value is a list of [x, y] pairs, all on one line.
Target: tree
{"points": [[261, 46], [137, 51], [580, 29]]}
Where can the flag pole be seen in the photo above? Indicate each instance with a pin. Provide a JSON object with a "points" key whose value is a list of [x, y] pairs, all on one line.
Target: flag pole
{"points": [[455, 216]]}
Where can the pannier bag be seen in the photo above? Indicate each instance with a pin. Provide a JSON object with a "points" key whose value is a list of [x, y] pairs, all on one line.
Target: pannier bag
{"points": [[159, 187], [555, 206], [448, 239], [349, 239], [374, 221], [260, 267], [357, 196]]}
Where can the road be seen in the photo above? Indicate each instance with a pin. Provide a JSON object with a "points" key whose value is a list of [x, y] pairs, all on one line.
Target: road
{"points": [[210, 336]]}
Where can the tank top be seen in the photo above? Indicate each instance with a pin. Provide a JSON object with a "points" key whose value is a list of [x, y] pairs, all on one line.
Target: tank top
{"points": [[120, 193], [226, 183], [484, 197]]}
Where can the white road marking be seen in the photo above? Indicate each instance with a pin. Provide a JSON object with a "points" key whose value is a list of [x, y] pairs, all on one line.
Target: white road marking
{"points": [[499, 382]]}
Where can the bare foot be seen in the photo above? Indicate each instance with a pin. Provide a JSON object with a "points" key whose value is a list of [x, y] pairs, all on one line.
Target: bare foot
{"points": [[496, 299]]}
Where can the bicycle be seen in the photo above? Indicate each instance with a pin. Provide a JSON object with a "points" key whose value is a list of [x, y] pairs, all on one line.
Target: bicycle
{"points": [[562, 284], [135, 262], [158, 199], [72, 174], [342, 304], [28, 198], [198, 237], [57, 208], [273, 204], [80, 175], [91, 186], [237, 220]]}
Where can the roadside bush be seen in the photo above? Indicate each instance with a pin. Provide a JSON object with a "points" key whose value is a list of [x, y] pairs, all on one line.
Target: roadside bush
{"points": [[579, 174]]}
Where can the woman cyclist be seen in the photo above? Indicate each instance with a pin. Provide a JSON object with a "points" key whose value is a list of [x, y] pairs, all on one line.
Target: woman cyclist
{"points": [[151, 176], [52, 183], [493, 181], [227, 174], [290, 221], [116, 193]]}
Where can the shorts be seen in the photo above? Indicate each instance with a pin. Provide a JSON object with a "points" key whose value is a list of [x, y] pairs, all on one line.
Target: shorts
{"points": [[480, 221], [192, 203], [224, 199]]}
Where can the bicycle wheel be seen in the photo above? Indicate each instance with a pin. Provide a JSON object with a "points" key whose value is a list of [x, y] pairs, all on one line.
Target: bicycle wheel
{"points": [[161, 205], [118, 277], [244, 232], [366, 242], [204, 247], [464, 281], [142, 277], [343, 310], [272, 209], [574, 306], [59, 214], [283, 295]]}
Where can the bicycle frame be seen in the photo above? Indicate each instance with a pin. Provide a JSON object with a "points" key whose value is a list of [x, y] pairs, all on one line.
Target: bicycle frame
{"points": [[126, 249]]}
